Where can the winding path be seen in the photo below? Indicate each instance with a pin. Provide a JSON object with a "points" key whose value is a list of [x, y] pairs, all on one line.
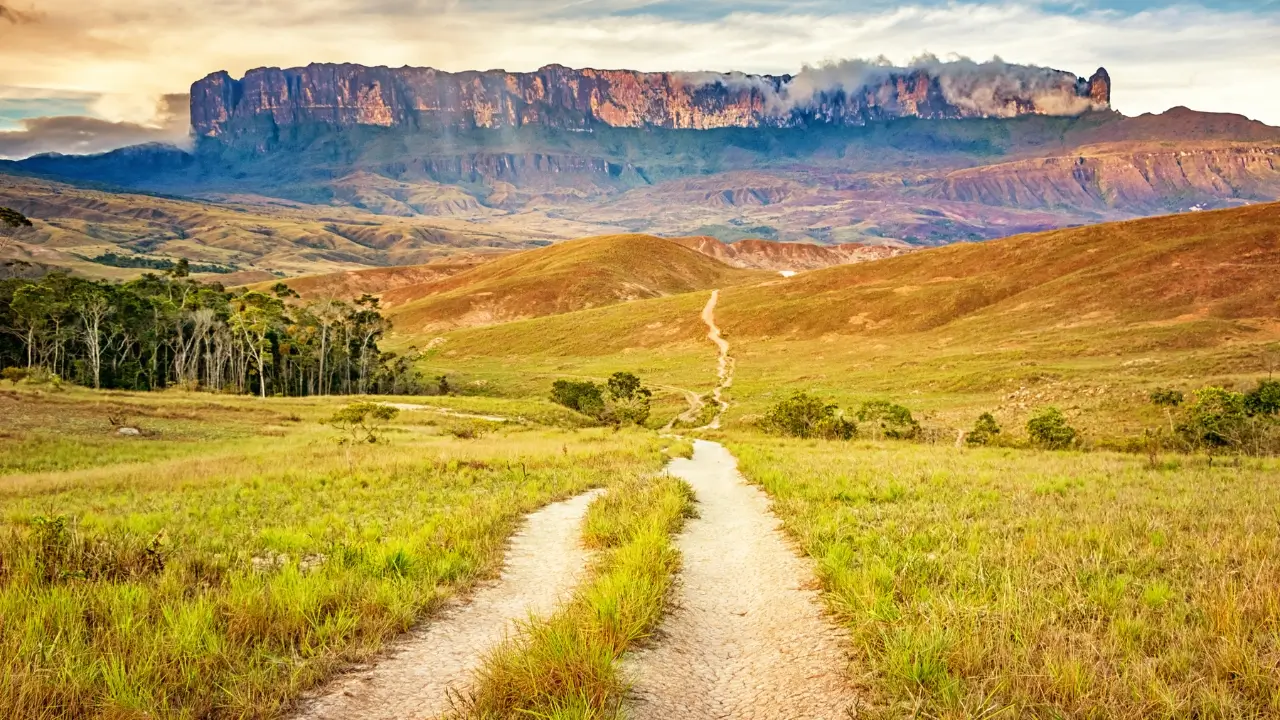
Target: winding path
{"points": [[415, 681], [748, 637], [725, 365]]}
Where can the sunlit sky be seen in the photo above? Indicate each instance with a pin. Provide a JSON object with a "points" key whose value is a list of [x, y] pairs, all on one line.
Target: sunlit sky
{"points": [[79, 76]]}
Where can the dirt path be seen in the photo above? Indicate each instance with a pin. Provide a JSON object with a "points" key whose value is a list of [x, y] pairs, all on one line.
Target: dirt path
{"points": [[406, 407], [725, 365], [414, 681], [747, 638], [689, 416]]}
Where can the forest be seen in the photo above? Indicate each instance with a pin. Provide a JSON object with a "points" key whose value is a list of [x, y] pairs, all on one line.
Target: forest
{"points": [[167, 330]]}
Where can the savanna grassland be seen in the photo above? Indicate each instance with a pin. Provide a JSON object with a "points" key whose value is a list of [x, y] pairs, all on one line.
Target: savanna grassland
{"points": [[1014, 583], [234, 554]]}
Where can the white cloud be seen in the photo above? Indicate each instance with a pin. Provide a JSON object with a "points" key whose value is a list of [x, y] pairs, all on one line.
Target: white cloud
{"points": [[140, 49]]}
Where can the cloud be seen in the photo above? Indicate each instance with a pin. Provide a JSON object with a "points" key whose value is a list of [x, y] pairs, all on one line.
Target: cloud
{"points": [[80, 134], [1161, 55]]}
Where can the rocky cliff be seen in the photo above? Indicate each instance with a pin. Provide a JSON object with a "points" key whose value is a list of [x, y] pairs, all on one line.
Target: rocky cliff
{"points": [[268, 99]]}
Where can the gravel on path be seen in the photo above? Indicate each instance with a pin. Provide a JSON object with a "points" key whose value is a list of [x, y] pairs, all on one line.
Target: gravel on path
{"points": [[417, 678], [747, 637]]}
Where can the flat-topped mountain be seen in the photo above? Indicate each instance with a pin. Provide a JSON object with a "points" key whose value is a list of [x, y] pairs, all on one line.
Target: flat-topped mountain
{"points": [[266, 100]]}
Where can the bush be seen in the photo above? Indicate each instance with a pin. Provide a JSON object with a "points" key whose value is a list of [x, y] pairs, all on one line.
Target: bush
{"points": [[1050, 430], [14, 375], [805, 416], [362, 422], [583, 396], [627, 401], [889, 420], [1264, 400], [984, 432]]}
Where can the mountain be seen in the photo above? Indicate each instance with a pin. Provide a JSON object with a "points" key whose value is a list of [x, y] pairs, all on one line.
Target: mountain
{"points": [[569, 276], [269, 103], [854, 153]]}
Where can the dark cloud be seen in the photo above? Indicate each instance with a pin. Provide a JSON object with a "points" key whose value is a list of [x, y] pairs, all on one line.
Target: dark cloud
{"points": [[80, 135], [17, 17]]}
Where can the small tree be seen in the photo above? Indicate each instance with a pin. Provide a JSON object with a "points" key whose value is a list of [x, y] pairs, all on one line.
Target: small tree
{"points": [[442, 385], [984, 431], [1216, 420], [362, 422], [1050, 430], [889, 419], [1169, 399], [805, 416], [628, 401]]}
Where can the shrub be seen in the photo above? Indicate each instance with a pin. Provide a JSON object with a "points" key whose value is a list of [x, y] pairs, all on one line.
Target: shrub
{"points": [[889, 419], [1264, 400], [1050, 430], [14, 375], [805, 416], [362, 422], [583, 396], [622, 401], [1216, 420], [629, 400], [984, 432], [1168, 398]]}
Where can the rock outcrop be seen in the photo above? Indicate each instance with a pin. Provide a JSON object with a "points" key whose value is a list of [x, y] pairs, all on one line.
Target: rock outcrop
{"points": [[268, 99]]}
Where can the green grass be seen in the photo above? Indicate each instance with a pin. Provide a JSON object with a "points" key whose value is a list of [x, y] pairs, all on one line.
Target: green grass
{"points": [[566, 666], [985, 583], [224, 580]]}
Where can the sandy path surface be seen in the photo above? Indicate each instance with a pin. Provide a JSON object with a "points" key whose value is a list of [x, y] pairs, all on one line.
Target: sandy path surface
{"points": [[724, 367], [406, 407], [747, 638], [415, 680]]}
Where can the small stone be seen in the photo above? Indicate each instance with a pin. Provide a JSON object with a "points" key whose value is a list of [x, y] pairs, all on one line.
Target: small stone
{"points": [[128, 431]]}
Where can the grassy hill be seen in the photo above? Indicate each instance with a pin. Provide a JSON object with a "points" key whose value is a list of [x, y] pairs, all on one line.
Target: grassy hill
{"points": [[256, 236], [351, 284], [567, 277], [1090, 318]]}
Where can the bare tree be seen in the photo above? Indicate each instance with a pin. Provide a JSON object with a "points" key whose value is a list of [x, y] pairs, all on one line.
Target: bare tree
{"points": [[94, 308]]}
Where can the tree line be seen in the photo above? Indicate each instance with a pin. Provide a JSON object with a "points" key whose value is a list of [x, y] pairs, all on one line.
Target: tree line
{"points": [[165, 330]]}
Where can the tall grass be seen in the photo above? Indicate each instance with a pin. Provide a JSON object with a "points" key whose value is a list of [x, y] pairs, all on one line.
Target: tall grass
{"points": [[566, 666], [221, 586], [984, 583]]}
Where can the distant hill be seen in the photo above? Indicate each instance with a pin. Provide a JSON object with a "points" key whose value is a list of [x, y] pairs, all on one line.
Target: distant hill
{"points": [[351, 284], [1115, 284], [566, 277]]}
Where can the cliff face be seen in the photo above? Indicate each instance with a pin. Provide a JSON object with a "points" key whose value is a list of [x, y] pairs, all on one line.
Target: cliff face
{"points": [[1136, 182], [559, 97]]}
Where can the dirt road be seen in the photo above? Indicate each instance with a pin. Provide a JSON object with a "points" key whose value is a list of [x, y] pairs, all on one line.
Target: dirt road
{"points": [[414, 681], [748, 637]]}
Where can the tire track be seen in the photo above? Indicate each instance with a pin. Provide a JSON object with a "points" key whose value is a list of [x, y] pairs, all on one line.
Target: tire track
{"points": [[725, 366], [435, 661], [748, 637]]}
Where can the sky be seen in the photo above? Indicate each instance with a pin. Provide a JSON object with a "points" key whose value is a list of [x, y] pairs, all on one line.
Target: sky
{"points": [[79, 76]]}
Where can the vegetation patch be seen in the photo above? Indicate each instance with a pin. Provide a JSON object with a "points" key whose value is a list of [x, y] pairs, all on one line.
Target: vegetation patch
{"points": [[566, 666], [995, 582]]}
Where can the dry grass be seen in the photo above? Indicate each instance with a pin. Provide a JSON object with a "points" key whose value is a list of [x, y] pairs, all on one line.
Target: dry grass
{"points": [[569, 276], [993, 583], [225, 579], [566, 666]]}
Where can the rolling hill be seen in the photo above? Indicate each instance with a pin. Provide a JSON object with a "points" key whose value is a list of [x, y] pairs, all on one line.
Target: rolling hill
{"points": [[563, 278]]}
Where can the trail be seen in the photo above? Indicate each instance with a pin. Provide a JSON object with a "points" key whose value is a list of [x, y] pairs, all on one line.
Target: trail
{"points": [[447, 412], [748, 638], [415, 681], [689, 416], [725, 365]]}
